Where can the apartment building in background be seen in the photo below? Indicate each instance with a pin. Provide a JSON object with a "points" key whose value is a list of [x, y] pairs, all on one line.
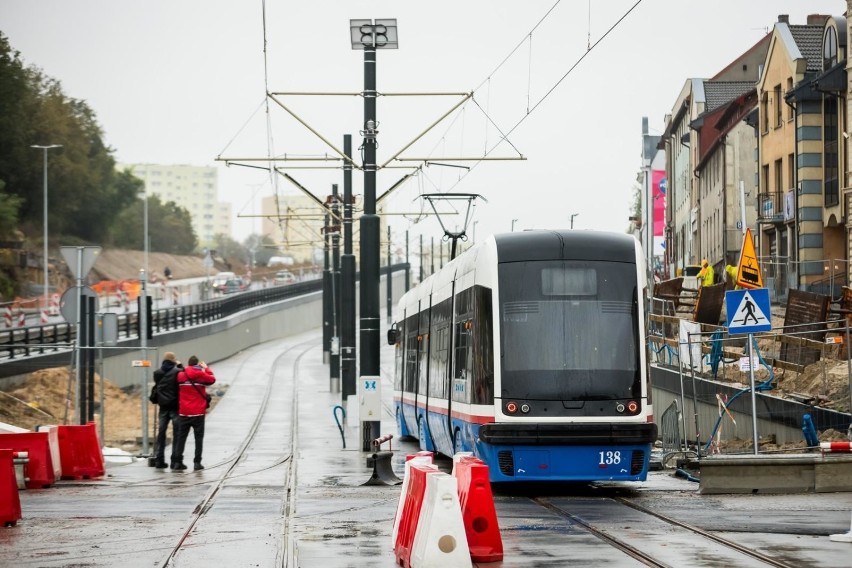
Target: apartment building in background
{"points": [[196, 189], [295, 224]]}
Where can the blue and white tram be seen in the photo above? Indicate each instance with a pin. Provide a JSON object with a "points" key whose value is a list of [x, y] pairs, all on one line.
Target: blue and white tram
{"points": [[529, 350]]}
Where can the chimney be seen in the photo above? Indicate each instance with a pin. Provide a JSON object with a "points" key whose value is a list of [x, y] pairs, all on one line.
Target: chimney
{"points": [[817, 19], [783, 18]]}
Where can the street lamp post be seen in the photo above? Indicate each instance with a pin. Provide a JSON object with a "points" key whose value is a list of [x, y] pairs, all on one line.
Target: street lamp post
{"points": [[572, 219], [44, 258], [513, 224]]}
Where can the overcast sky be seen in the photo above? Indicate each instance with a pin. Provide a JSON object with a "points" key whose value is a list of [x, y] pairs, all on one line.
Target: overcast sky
{"points": [[183, 82]]}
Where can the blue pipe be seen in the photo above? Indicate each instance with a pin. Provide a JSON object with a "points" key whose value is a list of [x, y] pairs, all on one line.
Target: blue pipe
{"points": [[339, 425], [765, 385]]}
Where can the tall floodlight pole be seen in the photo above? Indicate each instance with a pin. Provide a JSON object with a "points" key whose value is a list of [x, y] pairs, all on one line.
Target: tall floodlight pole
{"points": [[334, 366], [370, 36], [44, 258], [347, 293]]}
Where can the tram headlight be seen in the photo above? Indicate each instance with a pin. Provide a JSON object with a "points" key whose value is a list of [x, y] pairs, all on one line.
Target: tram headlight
{"points": [[511, 407], [525, 408], [632, 407], [619, 408]]}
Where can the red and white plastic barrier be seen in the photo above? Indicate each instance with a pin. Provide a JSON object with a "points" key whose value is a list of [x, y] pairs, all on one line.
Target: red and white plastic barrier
{"points": [[54, 305], [40, 472], [445, 520], [477, 508], [80, 453], [22, 317], [440, 538], [7, 315], [175, 296], [421, 458], [10, 501], [835, 447]]}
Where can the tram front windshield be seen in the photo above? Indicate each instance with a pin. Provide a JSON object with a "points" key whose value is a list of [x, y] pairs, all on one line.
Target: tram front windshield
{"points": [[569, 330]]}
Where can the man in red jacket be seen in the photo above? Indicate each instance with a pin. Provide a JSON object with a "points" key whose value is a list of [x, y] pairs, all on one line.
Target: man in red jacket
{"points": [[193, 403]]}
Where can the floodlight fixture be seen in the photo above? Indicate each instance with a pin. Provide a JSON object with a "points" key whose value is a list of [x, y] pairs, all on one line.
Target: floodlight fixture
{"points": [[370, 34]]}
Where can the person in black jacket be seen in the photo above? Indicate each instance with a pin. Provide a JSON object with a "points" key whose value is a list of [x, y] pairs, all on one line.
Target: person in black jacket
{"points": [[165, 379]]}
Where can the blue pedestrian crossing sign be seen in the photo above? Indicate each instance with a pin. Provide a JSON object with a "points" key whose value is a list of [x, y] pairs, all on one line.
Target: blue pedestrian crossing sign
{"points": [[748, 311]]}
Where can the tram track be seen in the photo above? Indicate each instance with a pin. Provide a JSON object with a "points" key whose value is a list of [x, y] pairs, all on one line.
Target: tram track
{"points": [[613, 520], [232, 462]]}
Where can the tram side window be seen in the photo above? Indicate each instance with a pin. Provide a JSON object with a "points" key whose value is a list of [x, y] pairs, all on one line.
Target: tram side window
{"points": [[411, 344], [423, 353], [399, 357], [440, 349], [462, 370], [483, 347]]}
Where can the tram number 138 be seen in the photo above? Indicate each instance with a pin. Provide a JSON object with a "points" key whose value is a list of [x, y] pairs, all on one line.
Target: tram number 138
{"points": [[610, 458]]}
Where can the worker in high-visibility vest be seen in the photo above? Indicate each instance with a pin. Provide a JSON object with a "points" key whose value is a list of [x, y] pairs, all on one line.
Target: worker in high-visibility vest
{"points": [[731, 272], [706, 275]]}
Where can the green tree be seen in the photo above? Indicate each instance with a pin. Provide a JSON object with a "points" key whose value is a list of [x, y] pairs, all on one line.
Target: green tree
{"points": [[9, 205], [85, 191], [169, 226]]}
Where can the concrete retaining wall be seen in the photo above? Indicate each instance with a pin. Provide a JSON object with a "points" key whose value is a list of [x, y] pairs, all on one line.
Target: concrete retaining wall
{"points": [[811, 473]]}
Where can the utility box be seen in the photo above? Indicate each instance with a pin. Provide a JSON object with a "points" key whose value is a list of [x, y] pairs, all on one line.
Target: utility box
{"points": [[369, 410], [370, 399]]}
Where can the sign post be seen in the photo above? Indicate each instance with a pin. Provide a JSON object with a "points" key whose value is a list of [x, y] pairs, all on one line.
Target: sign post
{"points": [[748, 312], [80, 261]]}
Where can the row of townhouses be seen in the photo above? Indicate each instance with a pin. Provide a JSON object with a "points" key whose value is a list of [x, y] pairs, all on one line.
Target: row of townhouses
{"points": [[764, 143]]}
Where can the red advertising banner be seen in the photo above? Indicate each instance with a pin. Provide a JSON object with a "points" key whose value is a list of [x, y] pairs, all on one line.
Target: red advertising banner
{"points": [[658, 195]]}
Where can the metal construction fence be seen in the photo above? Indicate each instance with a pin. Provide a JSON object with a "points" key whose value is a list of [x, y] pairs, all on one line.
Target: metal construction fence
{"points": [[824, 276], [793, 392]]}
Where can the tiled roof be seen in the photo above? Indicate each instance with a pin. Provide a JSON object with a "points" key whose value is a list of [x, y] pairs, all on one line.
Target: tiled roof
{"points": [[720, 92], [809, 41]]}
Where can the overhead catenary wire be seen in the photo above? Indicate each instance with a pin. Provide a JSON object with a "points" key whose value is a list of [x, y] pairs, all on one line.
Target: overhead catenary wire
{"points": [[553, 87]]}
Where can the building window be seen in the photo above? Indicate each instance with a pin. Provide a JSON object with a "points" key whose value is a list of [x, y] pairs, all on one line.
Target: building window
{"points": [[764, 113], [791, 171], [829, 48], [764, 183], [779, 186], [789, 90], [831, 158], [778, 111]]}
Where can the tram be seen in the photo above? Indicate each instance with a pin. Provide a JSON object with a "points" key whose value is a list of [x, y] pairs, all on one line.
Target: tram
{"points": [[529, 350]]}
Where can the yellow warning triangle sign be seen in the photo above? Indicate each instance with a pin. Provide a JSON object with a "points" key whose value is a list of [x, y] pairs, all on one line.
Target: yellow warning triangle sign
{"points": [[748, 270]]}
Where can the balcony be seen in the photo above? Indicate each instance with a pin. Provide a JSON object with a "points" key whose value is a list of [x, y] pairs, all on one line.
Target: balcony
{"points": [[775, 207]]}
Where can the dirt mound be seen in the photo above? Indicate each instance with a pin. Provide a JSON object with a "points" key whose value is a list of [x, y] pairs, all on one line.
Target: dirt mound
{"points": [[47, 396], [117, 264]]}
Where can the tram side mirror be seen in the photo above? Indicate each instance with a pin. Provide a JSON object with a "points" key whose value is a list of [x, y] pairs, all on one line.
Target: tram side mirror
{"points": [[393, 336]]}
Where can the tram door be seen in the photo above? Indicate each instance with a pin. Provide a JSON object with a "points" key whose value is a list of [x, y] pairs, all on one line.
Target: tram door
{"points": [[409, 382], [422, 386]]}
